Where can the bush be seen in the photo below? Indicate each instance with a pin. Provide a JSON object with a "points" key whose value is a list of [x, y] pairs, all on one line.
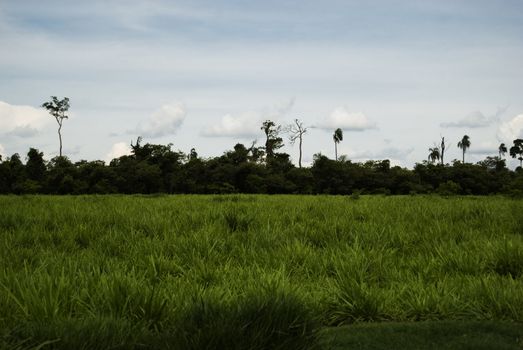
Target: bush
{"points": [[449, 188]]}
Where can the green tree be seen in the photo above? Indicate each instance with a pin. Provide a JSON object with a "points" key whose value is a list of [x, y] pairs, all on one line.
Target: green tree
{"points": [[57, 109], [434, 154], [502, 149], [517, 151], [337, 137], [15, 174], [273, 140], [464, 144], [296, 132], [35, 165], [192, 154]]}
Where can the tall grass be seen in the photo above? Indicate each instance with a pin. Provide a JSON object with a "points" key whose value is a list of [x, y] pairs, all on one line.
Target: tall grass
{"points": [[248, 272]]}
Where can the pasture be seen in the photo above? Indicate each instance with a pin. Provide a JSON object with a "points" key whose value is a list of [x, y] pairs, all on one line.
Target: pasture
{"points": [[245, 271]]}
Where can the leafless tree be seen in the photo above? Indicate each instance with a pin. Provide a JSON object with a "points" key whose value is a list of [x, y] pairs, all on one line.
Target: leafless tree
{"points": [[296, 132]]}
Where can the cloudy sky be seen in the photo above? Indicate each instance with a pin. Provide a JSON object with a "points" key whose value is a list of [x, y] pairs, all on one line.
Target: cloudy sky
{"points": [[395, 75]]}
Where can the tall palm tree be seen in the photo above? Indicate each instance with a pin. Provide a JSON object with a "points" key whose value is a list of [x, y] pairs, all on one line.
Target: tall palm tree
{"points": [[502, 150], [434, 154], [464, 144], [337, 137]]}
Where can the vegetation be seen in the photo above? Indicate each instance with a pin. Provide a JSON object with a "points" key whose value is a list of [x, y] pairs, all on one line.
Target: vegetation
{"points": [[517, 151], [464, 144], [155, 168], [57, 108], [245, 271], [443, 335], [337, 137], [296, 132]]}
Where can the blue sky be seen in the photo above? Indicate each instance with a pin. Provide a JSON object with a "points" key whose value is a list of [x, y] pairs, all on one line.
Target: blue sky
{"points": [[394, 75]]}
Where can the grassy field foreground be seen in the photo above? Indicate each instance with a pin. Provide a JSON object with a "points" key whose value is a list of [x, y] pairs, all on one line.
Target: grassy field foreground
{"points": [[256, 272]]}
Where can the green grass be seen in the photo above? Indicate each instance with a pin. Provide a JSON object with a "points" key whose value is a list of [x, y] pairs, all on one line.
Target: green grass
{"points": [[250, 272], [433, 335]]}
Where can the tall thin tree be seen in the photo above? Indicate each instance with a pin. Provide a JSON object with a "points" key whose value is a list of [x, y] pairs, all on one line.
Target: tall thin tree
{"points": [[337, 137], [464, 144], [57, 109], [442, 150], [296, 132]]}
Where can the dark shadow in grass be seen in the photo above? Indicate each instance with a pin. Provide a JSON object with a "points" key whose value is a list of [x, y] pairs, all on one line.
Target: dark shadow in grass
{"points": [[237, 220], [444, 335], [233, 198]]}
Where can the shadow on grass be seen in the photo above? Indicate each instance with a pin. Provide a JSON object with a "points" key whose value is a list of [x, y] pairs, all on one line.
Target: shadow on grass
{"points": [[444, 335]]}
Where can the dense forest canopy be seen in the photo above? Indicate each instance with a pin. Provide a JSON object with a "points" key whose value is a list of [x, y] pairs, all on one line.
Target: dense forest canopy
{"points": [[155, 168]]}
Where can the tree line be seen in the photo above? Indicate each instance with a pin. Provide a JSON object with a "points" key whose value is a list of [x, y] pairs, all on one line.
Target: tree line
{"points": [[156, 168]]}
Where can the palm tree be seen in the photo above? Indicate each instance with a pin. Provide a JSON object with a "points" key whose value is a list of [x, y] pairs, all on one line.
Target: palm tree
{"points": [[464, 144], [434, 154], [502, 150], [337, 137]]}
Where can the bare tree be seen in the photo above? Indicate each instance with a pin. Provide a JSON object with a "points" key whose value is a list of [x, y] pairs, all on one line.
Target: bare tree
{"points": [[57, 109], [296, 132], [442, 150]]}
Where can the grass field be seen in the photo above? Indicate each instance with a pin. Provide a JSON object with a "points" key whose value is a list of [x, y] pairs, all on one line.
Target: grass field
{"points": [[254, 272]]}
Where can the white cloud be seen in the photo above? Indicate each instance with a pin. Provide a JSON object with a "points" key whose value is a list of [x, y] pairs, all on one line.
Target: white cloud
{"points": [[473, 120], [484, 148], [117, 150], [23, 121], [347, 121], [165, 121], [389, 152], [511, 130], [24, 131], [245, 125], [248, 124]]}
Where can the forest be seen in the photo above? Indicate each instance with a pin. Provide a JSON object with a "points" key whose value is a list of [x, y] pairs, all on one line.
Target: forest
{"points": [[155, 168]]}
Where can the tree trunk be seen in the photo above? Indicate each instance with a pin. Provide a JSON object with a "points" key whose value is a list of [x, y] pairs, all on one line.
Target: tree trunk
{"points": [[299, 161], [60, 137], [463, 155], [336, 150]]}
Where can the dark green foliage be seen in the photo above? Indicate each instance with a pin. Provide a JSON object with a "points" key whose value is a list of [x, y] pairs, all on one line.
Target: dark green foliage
{"points": [[273, 141], [449, 188], [516, 151], [155, 168], [442, 335], [508, 260]]}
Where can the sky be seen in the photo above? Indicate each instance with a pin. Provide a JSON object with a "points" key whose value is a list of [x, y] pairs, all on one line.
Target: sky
{"points": [[394, 75]]}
